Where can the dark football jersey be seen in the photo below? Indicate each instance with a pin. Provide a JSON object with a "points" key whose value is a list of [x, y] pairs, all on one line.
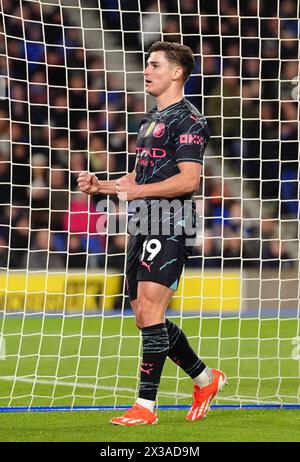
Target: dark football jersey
{"points": [[176, 134], [179, 133]]}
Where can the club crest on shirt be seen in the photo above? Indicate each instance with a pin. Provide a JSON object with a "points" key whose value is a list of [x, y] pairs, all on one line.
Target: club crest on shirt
{"points": [[159, 130]]}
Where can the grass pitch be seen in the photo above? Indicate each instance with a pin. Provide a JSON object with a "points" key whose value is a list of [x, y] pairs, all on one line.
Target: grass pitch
{"points": [[226, 425], [93, 360]]}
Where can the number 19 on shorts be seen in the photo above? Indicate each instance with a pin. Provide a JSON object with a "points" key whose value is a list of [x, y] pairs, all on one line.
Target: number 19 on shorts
{"points": [[152, 247]]}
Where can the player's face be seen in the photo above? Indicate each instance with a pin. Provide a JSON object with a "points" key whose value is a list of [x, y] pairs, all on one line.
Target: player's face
{"points": [[159, 74]]}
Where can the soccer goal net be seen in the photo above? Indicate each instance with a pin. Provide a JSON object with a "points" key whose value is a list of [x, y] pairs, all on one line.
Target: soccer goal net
{"points": [[71, 99]]}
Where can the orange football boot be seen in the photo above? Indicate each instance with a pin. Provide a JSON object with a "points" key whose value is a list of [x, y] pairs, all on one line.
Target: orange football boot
{"points": [[202, 397], [136, 415]]}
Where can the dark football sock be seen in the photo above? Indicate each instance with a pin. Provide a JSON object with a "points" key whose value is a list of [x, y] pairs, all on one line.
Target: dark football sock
{"points": [[181, 352], [155, 350]]}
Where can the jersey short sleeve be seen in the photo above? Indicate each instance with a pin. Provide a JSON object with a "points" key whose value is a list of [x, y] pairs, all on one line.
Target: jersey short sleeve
{"points": [[191, 136]]}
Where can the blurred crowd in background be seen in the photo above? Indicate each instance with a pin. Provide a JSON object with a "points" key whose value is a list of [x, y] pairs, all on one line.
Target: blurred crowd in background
{"points": [[66, 114]]}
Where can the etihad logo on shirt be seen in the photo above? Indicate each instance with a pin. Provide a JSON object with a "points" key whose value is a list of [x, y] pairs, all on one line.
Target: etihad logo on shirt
{"points": [[187, 138], [157, 153]]}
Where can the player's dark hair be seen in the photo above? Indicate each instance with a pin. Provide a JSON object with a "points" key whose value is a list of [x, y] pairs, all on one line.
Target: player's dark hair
{"points": [[178, 54]]}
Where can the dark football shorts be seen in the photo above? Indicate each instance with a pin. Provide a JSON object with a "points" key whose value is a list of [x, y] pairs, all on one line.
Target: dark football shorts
{"points": [[155, 258]]}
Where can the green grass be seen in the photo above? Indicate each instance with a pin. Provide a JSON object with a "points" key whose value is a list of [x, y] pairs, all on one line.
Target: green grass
{"points": [[93, 360], [227, 425]]}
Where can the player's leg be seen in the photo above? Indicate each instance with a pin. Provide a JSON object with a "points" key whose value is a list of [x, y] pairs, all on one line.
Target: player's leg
{"points": [[157, 277], [153, 300], [149, 308], [183, 355], [141, 414], [165, 268], [208, 382], [180, 350], [163, 261]]}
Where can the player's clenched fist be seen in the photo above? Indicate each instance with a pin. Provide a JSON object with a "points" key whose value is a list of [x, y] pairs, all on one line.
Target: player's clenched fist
{"points": [[87, 183], [127, 190]]}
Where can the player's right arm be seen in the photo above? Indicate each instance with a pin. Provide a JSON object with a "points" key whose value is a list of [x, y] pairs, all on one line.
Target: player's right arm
{"points": [[88, 183]]}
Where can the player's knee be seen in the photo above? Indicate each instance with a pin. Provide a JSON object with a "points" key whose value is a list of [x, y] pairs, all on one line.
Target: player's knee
{"points": [[146, 308], [140, 317], [148, 316]]}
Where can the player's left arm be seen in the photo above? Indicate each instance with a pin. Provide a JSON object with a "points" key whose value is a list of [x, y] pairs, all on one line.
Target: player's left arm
{"points": [[185, 182]]}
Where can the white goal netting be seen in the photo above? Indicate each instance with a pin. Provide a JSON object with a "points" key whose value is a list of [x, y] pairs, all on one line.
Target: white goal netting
{"points": [[71, 98]]}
